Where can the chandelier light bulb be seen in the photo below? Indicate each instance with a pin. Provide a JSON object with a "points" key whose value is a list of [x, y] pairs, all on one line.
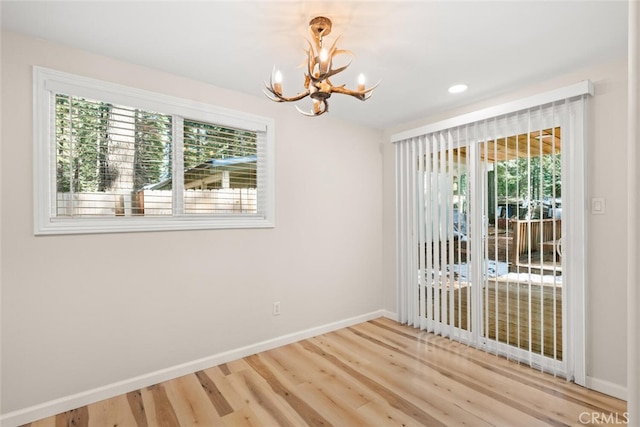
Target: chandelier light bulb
{"points": [[361, 81], [324, 60], [324, 55], [277, 82]]}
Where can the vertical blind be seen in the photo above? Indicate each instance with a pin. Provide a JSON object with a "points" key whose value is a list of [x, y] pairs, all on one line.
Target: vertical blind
{"points": [[485, 224]]}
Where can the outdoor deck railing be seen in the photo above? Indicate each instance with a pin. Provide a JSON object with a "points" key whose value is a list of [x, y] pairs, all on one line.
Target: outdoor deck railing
{"points": [[527, 234]]}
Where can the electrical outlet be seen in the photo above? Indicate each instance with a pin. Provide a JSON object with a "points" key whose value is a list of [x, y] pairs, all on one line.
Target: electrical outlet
{"points": [[276, 308]]}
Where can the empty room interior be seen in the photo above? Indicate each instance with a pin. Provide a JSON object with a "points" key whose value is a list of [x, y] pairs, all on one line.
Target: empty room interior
{"points": [[319, 213]]}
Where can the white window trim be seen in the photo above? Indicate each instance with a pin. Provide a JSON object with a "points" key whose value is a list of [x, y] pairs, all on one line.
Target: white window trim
{"points": [[45, 222]]}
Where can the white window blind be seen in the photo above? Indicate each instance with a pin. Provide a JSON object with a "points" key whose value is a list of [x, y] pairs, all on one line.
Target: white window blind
{"points": [[220, 169], [112, 158], [490, 229], [107, 156]]}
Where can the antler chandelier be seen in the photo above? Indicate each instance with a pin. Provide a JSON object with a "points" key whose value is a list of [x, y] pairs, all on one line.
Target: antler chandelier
{"points": [[319, 69]]}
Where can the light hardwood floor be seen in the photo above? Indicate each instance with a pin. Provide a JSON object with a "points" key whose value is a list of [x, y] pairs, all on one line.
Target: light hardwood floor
{"points": [[378, 373]]}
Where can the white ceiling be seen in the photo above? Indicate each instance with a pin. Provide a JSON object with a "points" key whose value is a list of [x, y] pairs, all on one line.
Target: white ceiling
{"points": [[417, 49]]}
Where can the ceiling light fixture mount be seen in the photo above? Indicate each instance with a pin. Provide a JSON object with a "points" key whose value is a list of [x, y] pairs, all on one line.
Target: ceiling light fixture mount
{"points": [[319, 69]]}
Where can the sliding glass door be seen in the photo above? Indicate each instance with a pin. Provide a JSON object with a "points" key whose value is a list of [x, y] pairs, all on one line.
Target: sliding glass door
{"points": [[483, 205], [522, 298]]}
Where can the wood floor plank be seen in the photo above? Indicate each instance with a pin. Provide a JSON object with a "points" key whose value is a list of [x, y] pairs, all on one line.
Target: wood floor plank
{"points": [[378, 373], [111, 412], [157, 407], [236, 366], [329, 377], [319, 371], [46, 422], [217, 398], [149, 406], [380, 413], [74, 418], [136, 405], [269, 407], [165, 414], [388, 373], [308, 413], [225, 385], [290, 363], [107, 412], [336, 411], [242, 418], [191, 402], [224, 368], [391, 397]]}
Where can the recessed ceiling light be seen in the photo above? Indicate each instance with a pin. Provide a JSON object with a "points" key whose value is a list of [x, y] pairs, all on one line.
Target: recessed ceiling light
{"points": [[458, 88]]}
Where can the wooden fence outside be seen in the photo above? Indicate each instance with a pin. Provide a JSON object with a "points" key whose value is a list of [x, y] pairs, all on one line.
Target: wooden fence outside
{"points": [[156, 203]]}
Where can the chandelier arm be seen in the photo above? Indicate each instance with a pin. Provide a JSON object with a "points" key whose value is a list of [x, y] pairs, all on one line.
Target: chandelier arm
{"points": [[343, 52], [344, 91], [310, 69], [333, 72], [311, 55], [270, 96], [325, 107], [274, 96], [316, 111], [311, 60], [362, 95], [370, 90], [333, 47], [306, 113], [334, 51]]}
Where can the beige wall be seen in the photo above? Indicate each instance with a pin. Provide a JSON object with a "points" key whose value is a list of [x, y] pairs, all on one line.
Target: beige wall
{"points": [[606, 252], [86, 311]]}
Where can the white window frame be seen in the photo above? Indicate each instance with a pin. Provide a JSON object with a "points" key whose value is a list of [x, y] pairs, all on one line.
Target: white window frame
{"points": [[48, 82]]}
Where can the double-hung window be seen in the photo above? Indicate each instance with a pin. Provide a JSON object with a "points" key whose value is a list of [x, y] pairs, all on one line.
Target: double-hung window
{"points": [[109, 158]]}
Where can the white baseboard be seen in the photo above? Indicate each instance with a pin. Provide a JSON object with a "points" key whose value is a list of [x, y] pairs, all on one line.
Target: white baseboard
{"points": [[606, 387], [47, 409], [390, 315]]}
